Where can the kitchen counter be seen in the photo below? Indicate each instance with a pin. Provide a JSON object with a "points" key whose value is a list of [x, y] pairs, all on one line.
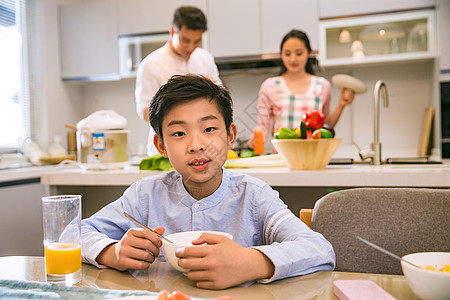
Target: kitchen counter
{"points": [[354, 175], [298, 189]]}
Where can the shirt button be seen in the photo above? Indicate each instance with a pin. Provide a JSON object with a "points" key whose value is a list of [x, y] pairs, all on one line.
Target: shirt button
{"points": [[196, 205]]}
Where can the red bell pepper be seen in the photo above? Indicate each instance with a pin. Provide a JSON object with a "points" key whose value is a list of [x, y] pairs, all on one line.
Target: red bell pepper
{"points": [[313, 119]]}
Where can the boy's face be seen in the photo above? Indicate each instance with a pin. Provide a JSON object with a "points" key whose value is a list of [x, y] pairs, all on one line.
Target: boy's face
{"points": [[196, 142]]}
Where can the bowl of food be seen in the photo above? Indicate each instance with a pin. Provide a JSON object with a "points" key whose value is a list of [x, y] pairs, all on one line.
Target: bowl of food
{"points": [[180, 240], [432, 280], [306, 154]]}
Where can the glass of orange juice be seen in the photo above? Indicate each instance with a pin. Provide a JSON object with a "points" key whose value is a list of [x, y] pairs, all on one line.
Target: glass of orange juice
{"points": [[62, 238]]}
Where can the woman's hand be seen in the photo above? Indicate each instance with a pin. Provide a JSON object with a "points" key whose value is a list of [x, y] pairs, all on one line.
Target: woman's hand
{"points": [[136, 250], [218, 262], [347, 96]]}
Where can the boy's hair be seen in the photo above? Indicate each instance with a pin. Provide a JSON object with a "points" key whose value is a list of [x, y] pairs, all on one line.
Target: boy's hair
{"points": [[189, 16], [183, 88]]}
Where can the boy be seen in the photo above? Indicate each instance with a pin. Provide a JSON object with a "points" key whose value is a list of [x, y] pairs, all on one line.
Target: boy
{"points": [[193, 121]]}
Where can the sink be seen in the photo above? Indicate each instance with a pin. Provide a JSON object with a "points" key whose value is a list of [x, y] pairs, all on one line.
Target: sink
{"points": [[411, 160]]}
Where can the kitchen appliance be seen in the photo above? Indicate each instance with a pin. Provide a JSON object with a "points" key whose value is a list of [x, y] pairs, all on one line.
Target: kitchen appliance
{"points": [[102, 141], [134, 48]]}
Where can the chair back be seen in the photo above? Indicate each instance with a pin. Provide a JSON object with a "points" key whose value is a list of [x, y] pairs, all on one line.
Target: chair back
{"points": [[401, 220]]}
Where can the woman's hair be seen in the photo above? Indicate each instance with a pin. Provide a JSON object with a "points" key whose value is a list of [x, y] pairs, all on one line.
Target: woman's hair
{"points": [[184, 88], [294, 33], [189, 16]]}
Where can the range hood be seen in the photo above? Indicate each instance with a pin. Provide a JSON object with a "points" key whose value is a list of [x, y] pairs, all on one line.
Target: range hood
{"points": [[248, 62]]}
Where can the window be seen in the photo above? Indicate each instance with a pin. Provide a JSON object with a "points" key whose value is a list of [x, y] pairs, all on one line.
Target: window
{"points": [[14, 96]]}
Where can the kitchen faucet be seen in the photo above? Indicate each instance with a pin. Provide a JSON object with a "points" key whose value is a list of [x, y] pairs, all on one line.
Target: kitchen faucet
{"points": [[375, 153]]}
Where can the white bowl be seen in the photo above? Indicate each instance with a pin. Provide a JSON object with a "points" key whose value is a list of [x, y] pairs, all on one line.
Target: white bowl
{"points": [[183, 239], [427, 284]]}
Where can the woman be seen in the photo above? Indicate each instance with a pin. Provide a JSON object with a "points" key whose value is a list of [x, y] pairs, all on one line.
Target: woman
{"points": [[285, 98]]}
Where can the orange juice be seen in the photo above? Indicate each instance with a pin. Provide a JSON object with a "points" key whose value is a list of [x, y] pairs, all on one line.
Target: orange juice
{"points": [[62, 258]]}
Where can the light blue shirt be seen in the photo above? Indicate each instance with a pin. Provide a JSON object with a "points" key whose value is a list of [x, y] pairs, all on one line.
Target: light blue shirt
{"points": [[243, 206]]}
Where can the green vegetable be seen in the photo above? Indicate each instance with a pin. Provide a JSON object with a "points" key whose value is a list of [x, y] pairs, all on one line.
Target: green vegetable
{"points": [[325, 133], [286, 133], [302, 130], [156, 162], [248, 153]]}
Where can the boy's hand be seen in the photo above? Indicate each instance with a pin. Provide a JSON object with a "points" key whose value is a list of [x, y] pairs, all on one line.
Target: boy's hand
{"points": [[222, 263], [136, 250]]}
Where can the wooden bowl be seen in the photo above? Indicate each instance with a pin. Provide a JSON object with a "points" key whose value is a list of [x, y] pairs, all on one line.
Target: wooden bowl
{"points": [[311, 154]]}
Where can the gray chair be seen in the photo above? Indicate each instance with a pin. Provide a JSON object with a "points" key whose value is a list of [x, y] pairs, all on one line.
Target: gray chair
{"points": [[401, 220]]}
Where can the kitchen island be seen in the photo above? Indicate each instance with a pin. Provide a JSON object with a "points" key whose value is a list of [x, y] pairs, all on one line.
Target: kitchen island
{"points": [[299, 189]]}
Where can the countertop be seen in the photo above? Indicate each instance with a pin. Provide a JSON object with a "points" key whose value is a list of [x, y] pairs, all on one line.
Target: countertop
{"points": [[354, 175], [161, 276], [26, 173]]}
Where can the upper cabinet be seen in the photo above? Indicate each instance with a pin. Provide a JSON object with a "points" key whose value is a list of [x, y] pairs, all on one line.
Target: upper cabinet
{"points": [[278, 17], [234, 27], [150, 16], [333, 8], [255, 27], [89, 41], [444, 37], [378, 38]]}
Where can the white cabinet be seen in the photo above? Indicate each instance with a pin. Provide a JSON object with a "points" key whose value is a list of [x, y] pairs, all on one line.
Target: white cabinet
{"points": [[150, 16], [254, 27], [333, 8], [21, 219], [372, 39], [278, 17], [444, 37], [234, 27], [89, 40]]}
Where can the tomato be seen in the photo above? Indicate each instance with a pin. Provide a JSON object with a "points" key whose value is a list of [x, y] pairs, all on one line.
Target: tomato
{"points": [[177, 295], [163, 295], [316, 134], [314, 119]]}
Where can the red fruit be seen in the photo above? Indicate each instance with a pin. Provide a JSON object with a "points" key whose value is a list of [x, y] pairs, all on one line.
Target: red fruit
{"points": [[177, 295], [313, 119], [316, 134]]}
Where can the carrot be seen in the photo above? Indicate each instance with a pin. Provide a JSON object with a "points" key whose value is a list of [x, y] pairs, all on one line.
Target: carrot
{"points": [[258, 135]]}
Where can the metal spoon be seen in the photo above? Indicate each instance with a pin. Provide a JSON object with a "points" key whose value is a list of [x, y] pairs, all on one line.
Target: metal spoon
{"points": [[145, 227], [386, 252]]}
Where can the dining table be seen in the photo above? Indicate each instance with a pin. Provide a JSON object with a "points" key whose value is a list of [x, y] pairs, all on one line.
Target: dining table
{"points": [[161, 276]]}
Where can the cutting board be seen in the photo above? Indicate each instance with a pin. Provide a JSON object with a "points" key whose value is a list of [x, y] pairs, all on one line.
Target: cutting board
{"points": [[263, 161], [427, 126]]}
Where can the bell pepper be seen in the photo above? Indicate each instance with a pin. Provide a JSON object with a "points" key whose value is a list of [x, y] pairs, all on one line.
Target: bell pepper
{"points": [[285, 133], [313, 119]]}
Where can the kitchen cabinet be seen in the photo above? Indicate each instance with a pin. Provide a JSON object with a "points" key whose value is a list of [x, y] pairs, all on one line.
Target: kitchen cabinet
{"points": [[89, 41], [150, 16], [405, 36], [262, 24], [234, 27], [333, 8], [279, 17], [444, 38], [21, 218]]}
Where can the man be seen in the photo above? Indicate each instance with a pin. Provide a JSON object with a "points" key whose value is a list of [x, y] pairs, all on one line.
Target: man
{"points": [[181, 55]]}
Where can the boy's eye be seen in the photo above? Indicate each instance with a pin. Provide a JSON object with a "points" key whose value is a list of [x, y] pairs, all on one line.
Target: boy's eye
{"points": [[178, 133], [210, 129]]}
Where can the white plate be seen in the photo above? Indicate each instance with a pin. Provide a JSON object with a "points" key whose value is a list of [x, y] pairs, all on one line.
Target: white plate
{"points": [[350, 82]]}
